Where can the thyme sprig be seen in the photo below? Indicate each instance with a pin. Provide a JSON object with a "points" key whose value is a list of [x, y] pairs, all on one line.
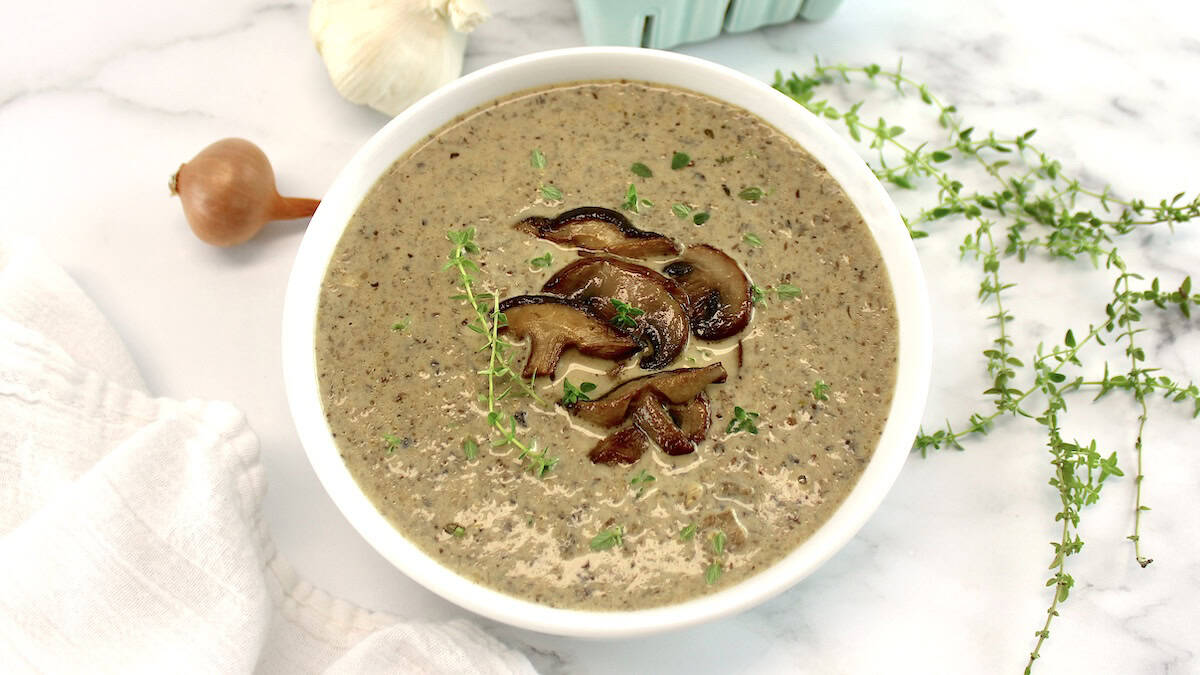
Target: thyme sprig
{"points": [[626, 316], [743, 420], [487, 321], [633, 202], [572, 394], [393, 441], [641, 481], [760, 295], [1031, 208], [502, 380]]}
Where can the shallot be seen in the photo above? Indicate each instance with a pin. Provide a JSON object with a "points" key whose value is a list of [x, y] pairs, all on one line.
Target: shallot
{"points": [[228, 193]]}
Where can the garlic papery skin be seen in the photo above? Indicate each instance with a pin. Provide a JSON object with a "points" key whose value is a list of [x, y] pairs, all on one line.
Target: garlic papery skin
{"points": [[389, 53], [464, 15]]}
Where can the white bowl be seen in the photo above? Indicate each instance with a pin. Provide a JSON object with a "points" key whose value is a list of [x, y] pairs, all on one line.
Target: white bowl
{"points": [[592, 63]]}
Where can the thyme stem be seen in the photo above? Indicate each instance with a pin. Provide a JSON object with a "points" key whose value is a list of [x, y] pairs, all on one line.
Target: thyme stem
{"points": [[487, 324], [494, 344], [1052, 611], [1129, 315], [1136, 537]]}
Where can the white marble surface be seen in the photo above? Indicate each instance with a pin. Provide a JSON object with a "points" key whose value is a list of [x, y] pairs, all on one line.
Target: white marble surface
{"points": [[99, 102]]}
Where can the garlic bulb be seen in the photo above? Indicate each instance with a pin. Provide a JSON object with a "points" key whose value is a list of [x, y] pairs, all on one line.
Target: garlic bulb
{"points": [[389, 53]]}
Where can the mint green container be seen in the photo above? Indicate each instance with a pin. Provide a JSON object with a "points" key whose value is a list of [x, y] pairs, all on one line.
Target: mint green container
{"points": [[662, 24]]}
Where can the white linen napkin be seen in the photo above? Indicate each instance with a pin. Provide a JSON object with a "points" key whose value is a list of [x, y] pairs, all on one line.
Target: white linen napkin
{"points": [[131, 534]]}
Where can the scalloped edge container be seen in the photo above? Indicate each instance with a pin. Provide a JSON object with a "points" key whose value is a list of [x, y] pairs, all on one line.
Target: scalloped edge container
{"points": [[412, 126], [663, 24]]}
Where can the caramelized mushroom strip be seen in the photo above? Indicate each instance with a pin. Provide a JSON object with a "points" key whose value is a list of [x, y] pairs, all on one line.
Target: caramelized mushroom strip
{"points": [[620, 447], [692, 417], [664, 323], [553, 324], [594, 228], [650, 416], [676, 386], [718, 291]]}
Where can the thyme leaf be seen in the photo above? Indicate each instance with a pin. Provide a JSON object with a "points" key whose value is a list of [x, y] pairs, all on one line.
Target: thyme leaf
{"points": [[712, 573], [631, 199], [743, 420], [607, 538], [788, 291], [751, 194], [718, 542]]}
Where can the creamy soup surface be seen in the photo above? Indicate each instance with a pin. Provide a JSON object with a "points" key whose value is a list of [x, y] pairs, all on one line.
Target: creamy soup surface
{"points": [[399, 370]]}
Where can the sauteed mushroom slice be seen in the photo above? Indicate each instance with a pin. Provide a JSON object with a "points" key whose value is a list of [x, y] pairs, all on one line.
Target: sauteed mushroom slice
{"points": [[620, 447], [650, 416], [692, 417], [717, 290], [663, 325], [676, 386], [554, 324], [595, 228]]}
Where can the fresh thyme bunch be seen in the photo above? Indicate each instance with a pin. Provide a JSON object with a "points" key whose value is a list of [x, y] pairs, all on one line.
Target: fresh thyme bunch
{"points": [[1028, 210]]}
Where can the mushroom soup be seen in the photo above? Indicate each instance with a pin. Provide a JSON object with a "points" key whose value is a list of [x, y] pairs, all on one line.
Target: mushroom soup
{"points": [[606, 345]]}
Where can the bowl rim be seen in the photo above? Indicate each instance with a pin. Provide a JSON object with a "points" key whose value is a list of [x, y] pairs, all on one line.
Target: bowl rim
{"points": [[914, 359]]}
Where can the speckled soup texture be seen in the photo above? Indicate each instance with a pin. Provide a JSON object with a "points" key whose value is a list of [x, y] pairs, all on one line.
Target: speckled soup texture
{"points": [[529, 536]]}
